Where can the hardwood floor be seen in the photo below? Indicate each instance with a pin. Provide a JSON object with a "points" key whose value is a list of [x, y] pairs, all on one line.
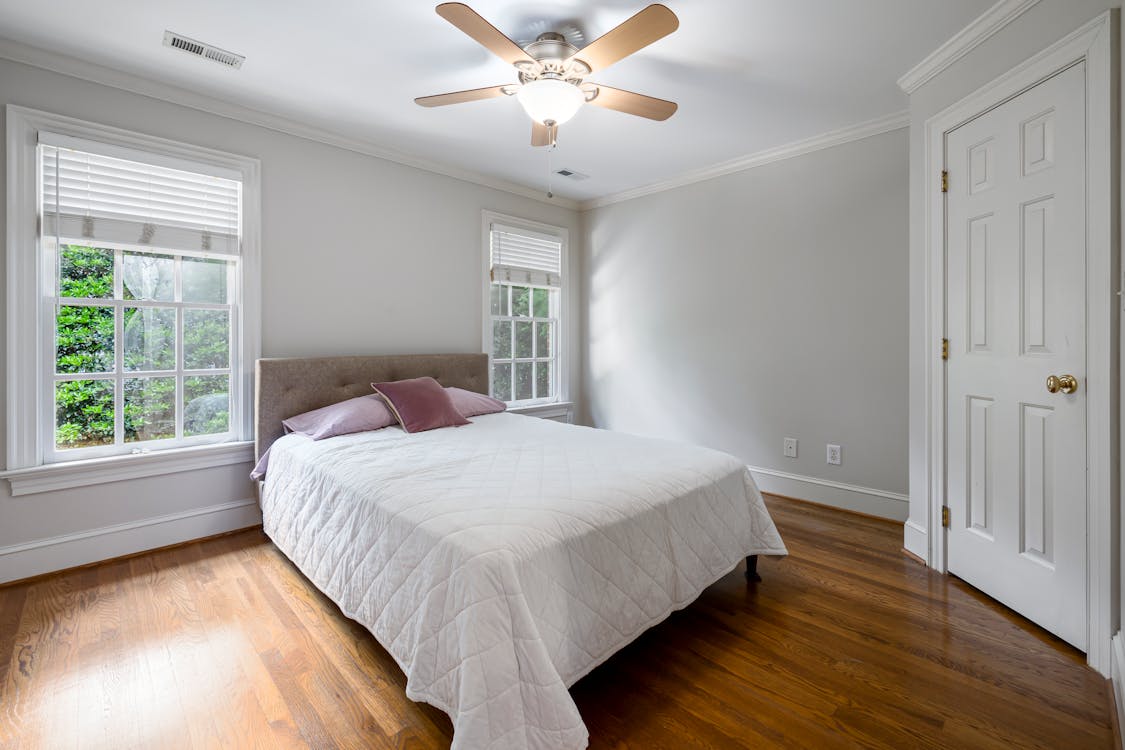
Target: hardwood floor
{"points": [[846, 643]]}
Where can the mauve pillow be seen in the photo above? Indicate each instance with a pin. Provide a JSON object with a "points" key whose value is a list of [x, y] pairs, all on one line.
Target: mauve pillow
{"points": [[469, 404], [420, 404], [259, 471], [354, 415]]}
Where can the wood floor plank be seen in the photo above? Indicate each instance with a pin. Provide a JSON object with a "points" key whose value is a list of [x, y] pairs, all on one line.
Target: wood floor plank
{"points": [[347, 648], [246, 725], [846, 643], [105, 716], [49, 664], [1006, 666], [166, 715], [13, 692]]}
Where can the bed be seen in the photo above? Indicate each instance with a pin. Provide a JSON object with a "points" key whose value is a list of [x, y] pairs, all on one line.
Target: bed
{"points": [[500, 561]]}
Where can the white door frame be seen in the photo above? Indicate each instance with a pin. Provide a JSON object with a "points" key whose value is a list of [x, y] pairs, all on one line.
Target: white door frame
{"points": [[1093, 43]]}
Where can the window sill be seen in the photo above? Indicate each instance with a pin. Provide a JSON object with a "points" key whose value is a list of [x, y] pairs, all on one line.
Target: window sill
{"points": [[551, 410], [62, 476]]}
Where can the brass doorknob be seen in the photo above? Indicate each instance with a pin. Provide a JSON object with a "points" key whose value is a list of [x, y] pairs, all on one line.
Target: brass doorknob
{"points": [[1064, 383]]}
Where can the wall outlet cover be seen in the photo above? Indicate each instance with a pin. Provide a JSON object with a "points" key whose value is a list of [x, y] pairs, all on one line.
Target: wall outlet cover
{"points": [[789, 448], [834, 455]]}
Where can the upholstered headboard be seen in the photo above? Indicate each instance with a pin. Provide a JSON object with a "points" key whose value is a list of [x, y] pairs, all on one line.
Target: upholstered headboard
{"points": [[290, 386]]}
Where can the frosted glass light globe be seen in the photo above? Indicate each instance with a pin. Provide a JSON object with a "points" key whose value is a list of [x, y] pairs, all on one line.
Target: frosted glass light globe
{"points": [[549, 99]]}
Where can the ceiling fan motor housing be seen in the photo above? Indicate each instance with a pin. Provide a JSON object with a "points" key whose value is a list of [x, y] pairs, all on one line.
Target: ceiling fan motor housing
{"points": [[553, 56], [550, 46]]}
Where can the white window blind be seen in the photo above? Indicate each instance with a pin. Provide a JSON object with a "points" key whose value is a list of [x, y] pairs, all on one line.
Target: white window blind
{"points": [[95, 196], [525, 257]]}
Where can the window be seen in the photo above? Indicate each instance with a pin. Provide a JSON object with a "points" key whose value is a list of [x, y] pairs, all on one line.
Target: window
{"points": [[139, 306], [140, 326], [524, 331]]}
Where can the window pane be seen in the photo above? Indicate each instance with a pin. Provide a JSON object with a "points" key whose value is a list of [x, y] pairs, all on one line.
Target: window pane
{"points": [[521, 301], [523, 380], [543, 340], [146, 276], [502, 382], [495, 291], [205, 280], [543, 380], [83, 413], [150, 409], [150, 338], [502, 339], [206, 339], [523, 339], [540, 303], [83, 339], [85, 272], [206, 405]]}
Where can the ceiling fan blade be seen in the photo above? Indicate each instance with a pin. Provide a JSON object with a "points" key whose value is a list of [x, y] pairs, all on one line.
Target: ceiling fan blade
{"points": [[458, 97], [634, 104], [471, 22], [540, 134], [652, 23]]}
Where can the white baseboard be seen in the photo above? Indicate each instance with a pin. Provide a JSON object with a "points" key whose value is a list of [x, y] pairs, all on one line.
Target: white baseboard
{"points": [[40, 556], [873, 502], [915, 540], [1117, 674]]}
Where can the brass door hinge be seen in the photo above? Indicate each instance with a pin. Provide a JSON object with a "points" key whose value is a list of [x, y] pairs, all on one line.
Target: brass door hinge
{"points": [[944, 181], [945, 516], [945, 348]]}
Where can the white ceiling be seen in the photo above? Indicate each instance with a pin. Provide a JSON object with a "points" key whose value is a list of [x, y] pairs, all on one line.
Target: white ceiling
{"points": [[748, 75]]}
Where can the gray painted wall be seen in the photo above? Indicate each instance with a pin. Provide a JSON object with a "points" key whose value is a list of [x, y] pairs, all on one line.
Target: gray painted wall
{"points": [[759, 305], [359, 255]]}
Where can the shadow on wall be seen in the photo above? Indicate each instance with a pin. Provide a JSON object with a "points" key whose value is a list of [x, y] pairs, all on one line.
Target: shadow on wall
{"points": [[762, 304], [638, 366]]}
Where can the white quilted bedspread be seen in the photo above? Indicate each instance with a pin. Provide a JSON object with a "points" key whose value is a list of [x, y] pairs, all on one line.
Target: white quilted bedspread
{"points": [[501, 561]]}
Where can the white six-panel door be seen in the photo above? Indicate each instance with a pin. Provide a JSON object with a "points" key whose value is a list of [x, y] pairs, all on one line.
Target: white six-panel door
{"points": [[1015, 315]]}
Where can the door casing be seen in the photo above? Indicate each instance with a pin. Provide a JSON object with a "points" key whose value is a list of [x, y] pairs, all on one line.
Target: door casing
{"points": [[1096, 44]]}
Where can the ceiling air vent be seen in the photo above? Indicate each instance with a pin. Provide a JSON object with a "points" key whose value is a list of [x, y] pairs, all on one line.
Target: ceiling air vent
{"points": [[571, 174], [199, 49]]}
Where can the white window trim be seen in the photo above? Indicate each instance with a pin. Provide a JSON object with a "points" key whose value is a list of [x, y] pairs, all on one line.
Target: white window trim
{"points": [[84, 472], [563, 363], [26, 283], [547, 411]]}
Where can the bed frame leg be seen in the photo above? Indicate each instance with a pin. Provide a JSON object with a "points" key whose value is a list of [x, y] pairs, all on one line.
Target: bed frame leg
{"points": [[752, 569]]}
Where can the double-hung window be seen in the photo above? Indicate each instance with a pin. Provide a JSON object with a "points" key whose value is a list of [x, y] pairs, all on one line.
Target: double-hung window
{"points": [[141, 304], [525, 330], [139, 327]]}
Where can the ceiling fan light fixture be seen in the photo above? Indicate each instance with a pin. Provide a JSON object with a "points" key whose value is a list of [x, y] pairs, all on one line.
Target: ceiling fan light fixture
{"points": [[550, 100]]}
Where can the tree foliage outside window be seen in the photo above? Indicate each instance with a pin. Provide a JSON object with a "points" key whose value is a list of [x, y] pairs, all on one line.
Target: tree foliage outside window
{"points": [[524, 342], [85, 342]]}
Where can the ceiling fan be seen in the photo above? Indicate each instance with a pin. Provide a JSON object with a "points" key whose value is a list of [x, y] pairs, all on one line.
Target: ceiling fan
{"points": [[552, 72]]}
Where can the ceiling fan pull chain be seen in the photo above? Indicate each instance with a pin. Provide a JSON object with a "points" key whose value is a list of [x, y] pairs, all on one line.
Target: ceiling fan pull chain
{"points": [[550, 149]]}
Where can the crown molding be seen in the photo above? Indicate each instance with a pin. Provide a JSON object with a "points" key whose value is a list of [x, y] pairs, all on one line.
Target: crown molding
{"points": [[964, 41], [885, 124], [71, 66]]}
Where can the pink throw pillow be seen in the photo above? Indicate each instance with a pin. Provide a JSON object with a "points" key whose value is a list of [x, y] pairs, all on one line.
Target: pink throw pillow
{"points": [[470, 404], [420, 404]]}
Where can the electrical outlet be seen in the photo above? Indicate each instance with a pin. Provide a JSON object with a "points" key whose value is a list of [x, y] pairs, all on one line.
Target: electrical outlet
{"points": [[790, 448], [834, 454]]}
